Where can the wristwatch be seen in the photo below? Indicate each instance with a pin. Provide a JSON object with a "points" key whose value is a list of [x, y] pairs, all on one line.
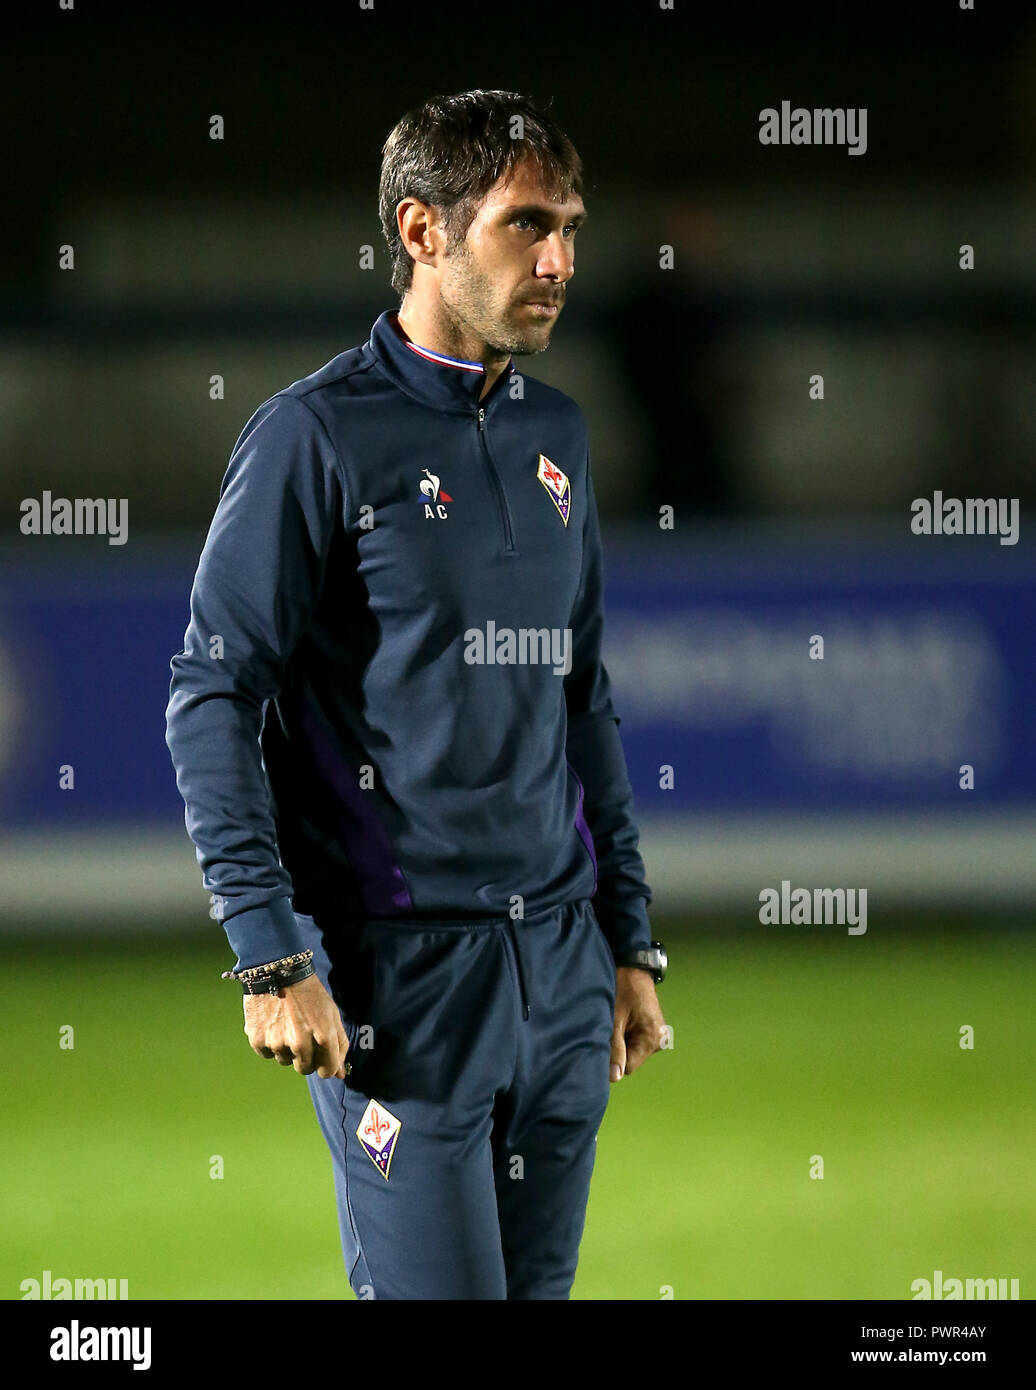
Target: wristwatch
{"points": [[653, 959]]}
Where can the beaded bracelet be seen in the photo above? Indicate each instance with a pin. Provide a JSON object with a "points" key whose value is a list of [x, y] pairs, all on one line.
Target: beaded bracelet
{"points": [[275, 975], [273, 984]]}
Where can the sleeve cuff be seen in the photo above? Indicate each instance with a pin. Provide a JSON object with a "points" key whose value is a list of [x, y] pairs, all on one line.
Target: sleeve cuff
{"points": [[625, 926], [263, 934]]}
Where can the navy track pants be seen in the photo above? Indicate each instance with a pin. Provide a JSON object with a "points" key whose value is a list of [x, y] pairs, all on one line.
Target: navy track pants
{"points": [[463, 1139]]}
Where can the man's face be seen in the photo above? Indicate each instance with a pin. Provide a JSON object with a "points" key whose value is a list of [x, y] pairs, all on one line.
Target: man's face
{"points": [[518, 249]]}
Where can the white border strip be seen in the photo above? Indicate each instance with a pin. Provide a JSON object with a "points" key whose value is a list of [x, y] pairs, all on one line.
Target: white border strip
{"points": [[984, 861], [120, 879]]}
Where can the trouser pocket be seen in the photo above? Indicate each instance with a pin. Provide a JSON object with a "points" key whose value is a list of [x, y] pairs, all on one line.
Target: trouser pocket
{"points": [[343, 968], [442, 1007]]}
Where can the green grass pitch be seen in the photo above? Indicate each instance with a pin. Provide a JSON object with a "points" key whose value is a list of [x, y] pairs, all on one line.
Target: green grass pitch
{"points": [[788, 1043]]}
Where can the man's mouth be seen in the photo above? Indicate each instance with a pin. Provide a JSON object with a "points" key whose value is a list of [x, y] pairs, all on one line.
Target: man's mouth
{"points": [[547, 309]]}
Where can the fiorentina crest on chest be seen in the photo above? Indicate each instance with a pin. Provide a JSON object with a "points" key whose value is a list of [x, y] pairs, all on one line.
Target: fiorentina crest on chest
{"points": [[558, 487]]}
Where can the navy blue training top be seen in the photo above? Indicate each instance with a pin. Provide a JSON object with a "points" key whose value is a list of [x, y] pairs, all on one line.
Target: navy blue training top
{"points": [[377, 709]]}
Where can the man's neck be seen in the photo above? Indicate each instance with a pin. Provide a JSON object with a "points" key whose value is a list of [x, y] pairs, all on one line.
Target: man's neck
{"points": [[427, 329]]}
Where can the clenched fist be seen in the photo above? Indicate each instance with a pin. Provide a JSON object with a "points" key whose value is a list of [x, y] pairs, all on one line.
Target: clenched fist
{"points": [[300, 1026]]}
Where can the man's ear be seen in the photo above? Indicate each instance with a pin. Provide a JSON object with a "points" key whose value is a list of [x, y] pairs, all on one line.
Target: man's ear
{"points": [[420, 230]]}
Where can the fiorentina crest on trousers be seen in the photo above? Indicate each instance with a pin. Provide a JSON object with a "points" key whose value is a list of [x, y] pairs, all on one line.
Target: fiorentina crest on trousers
{"points": [[557, 484], [377, 1132]]}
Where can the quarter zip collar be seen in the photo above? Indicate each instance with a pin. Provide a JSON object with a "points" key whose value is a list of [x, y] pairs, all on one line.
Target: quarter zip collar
{"points": [[444, 383]]}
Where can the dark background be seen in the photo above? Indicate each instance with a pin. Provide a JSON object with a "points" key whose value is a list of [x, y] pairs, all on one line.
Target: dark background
{"points": [[240, 256]]}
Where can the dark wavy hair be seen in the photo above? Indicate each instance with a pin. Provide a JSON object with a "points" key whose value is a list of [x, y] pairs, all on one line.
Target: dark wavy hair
{"points": [[452, 150]]}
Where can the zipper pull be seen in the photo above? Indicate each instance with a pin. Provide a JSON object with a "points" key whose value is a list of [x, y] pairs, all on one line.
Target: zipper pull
{"points": [[481, 416]]}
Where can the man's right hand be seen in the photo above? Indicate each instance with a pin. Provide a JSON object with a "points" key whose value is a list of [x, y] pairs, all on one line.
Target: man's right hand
{"points": [[300, 1026]]}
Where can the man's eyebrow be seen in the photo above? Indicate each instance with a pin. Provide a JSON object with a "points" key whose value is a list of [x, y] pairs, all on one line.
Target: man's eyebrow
{"points": [[543, 210]]}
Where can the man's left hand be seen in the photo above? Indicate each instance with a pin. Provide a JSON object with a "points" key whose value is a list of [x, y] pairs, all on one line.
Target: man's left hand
{"points": [[639, 1026]]}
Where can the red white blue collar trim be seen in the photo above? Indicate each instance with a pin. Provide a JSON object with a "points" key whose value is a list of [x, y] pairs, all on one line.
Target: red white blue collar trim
{"points": [[446, 361], [459, 362]]}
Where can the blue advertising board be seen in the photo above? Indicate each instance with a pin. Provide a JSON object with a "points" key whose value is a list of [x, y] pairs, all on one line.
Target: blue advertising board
{"points": [[714, 649]]}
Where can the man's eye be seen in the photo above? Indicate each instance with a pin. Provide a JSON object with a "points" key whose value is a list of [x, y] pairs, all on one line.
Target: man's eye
{"points": [[524, 222]]}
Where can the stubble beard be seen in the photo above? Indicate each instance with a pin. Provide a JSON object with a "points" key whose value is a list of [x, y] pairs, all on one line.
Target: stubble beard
{"points": [[467, 302]]}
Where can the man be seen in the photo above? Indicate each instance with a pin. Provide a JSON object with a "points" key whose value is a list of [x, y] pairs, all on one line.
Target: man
{"points": [[399, 603]]}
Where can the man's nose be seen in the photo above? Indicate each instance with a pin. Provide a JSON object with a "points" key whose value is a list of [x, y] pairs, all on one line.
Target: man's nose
{"points": [[558, 260]]}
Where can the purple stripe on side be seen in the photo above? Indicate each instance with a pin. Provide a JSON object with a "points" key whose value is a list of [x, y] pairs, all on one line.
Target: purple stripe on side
{"points": [[380, 879], [581, 825]]}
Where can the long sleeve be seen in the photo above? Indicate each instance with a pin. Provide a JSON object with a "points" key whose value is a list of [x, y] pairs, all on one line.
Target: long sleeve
{"points": [[257, 583], [595, 753]]}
